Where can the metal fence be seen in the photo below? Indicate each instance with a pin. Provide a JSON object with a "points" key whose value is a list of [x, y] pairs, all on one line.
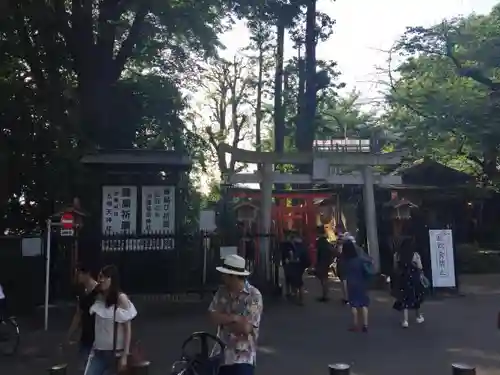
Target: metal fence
{"points": [[156, 263], [21, 276], [159, 263]]}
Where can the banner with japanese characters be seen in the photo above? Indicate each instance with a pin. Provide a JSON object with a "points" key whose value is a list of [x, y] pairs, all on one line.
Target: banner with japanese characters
{"points": [[119, 209], [442, 258], [158, 209]]}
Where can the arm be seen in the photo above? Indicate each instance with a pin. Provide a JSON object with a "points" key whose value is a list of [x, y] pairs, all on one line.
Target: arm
{"points": [[127, 337], [124, 303], [245, 324], [217, 317], [75, 323], [417, 260]]}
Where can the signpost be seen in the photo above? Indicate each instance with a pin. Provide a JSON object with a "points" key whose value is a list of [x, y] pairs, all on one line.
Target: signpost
{"points": [[67, 223]]}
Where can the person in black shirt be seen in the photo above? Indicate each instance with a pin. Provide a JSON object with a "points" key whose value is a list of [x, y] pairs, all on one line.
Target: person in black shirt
{"points": [[324, 258], [82, 319], [287, 250]]}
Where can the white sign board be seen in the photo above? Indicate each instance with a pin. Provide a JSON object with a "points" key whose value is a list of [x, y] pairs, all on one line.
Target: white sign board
{"points": [[207, 220], [442, 258], [31, 246], [158, 209], [119, 209]]}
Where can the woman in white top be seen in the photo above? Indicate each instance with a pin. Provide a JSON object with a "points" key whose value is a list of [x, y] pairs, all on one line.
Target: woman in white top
{"points": [[113, 330]]}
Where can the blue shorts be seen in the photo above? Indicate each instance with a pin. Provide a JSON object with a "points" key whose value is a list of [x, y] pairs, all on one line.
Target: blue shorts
{"points": [[237, 369]]}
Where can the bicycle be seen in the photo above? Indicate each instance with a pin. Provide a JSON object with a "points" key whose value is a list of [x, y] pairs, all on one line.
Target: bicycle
{"points": [[203, 361], [9, 336]]}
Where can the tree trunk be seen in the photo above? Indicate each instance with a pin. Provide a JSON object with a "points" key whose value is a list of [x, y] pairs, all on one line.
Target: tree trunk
{"points": [[258, 110], [279, 115], [310, 94]]}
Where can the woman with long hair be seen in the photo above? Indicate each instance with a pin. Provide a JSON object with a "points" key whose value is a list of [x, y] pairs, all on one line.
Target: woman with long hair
{"points": [[409, 291], [357, 285], [113, 330]]}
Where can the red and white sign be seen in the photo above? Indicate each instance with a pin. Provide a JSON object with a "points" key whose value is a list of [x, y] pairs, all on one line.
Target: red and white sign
{"points": [[67, 220]]}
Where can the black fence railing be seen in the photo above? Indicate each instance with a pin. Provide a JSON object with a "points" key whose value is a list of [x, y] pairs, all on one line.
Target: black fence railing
{"points": [[153, 263]]}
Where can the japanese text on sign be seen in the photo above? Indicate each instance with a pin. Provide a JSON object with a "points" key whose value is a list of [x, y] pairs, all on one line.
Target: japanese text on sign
{"points": [[119, 209], [158, 209], [442, 258]]}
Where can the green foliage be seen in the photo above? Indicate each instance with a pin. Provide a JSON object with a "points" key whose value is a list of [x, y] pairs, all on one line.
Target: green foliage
{"points": [[76, 76], [444, 99]]}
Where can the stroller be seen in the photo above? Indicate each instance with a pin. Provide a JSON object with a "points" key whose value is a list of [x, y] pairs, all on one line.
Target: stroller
{"points": [[205, 359]]}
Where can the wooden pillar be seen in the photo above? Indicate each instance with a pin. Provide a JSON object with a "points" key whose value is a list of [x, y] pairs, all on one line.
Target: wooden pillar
{"points": [[266, 219]]}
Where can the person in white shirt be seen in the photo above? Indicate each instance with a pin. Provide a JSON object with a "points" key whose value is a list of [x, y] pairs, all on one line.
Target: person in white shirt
{"points": [[113, 329]]}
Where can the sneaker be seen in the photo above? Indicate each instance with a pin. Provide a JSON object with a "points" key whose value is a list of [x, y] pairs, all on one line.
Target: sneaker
{"points": [[404, 324], [420, 319], [364, 329]]}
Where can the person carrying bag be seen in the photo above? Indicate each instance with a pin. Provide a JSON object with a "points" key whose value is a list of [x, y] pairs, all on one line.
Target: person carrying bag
{"points": [[114, 313]]}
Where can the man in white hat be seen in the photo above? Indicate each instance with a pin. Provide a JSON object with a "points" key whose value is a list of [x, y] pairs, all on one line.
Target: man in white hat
{"points": [[236, 309]]}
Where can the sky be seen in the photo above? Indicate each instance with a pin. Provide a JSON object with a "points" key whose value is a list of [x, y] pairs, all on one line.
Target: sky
{"points": [[364, 30]]}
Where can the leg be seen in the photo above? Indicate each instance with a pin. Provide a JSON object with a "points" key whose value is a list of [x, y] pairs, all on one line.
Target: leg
{"points": [[83, 356], [364, 312], [96, 365], [419, 316], [405, 318], [344, 291], [237, 369], [355, 323]]}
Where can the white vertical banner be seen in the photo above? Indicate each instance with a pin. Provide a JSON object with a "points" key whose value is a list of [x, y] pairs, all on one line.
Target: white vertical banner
{"points": [[442, 258], [158, 209], [119, 209]]}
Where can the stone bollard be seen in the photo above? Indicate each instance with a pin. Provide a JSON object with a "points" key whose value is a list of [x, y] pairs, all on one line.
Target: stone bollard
{"points": [[140, 368], [58, 369], [462, 369], [339, 369]]}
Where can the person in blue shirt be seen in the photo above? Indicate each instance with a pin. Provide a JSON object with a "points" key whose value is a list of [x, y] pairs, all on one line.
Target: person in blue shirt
{"points": [[357, 280]]}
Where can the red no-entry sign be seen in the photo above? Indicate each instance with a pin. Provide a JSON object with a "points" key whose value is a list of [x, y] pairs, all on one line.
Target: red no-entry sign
{"points": [[67, 220]]}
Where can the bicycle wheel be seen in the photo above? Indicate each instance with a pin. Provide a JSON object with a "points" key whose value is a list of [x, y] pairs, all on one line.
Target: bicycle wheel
{"points": [[9, 336]]}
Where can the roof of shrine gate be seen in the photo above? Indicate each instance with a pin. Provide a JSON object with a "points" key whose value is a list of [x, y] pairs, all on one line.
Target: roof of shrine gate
{"points": [[333, 157], [138, 157]]}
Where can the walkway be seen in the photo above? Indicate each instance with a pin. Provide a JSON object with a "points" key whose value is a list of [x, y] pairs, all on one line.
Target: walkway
{"points": [[304, 340]]}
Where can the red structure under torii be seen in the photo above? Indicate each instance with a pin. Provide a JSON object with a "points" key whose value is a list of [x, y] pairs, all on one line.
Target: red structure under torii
{"points": [[301, 216]]}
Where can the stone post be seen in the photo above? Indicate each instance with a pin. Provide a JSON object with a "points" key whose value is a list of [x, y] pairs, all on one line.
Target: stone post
{"points": [[370, 216]]}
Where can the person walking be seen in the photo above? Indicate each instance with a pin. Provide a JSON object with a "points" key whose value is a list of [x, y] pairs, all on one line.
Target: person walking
{"points": [[324, 258], [82, 319], [300, 262], [236, 309], [340, 267], [287, 250], [357, 279], [409, 289], [113, 312]]}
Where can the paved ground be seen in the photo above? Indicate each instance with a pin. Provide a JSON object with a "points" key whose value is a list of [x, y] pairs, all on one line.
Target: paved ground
{"points": [[304, 340]]}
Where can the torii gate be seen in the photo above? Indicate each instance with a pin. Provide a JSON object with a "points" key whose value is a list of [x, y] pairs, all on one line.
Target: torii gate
{"points": [[322, 162]]}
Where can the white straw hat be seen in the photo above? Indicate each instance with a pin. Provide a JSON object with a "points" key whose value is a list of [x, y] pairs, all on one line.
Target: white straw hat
{"points": [[233, 265]]}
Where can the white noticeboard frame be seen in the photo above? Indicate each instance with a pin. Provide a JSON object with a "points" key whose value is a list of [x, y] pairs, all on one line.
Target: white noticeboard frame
{"points": [[119, 209], [442, 258]]}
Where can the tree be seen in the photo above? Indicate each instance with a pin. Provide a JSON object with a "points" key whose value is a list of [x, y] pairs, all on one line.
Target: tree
{"points": [[445, 99], [87, 74], [228, 89]]}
